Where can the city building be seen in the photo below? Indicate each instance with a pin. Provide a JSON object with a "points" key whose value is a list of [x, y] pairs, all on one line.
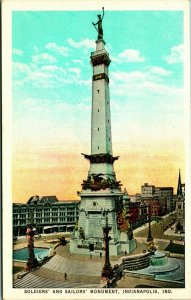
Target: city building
{"points": [[166, 193], [49, 215], [147, 190], [138, 214], [163, 194]]}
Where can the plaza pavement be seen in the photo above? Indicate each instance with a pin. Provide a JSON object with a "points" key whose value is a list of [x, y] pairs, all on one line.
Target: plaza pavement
{"points": [[83, 271]]}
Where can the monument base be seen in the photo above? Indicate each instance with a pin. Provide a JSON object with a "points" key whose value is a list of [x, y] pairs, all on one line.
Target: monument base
{"points": [[127, 246], [88, 247]]}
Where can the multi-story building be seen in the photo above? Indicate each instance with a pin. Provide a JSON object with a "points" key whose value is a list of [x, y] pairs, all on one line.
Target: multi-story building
{"points": [[164, 195], [154, 204], [138, 214], [49, 215], [147, 190]]}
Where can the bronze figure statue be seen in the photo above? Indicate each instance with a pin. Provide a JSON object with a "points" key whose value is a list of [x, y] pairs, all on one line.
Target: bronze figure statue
{"points": [[99, 25]]}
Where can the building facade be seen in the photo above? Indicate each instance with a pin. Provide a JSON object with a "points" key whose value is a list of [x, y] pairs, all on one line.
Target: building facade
{"points": [[147, 190], [138, 214], [49, 215], [162, 195]]}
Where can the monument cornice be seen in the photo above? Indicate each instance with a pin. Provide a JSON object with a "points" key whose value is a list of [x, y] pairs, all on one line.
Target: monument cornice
{"points": [[101, 158], [100, 59]]}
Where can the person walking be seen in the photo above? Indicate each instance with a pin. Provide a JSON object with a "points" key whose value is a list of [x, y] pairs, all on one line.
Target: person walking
{"points": [[65, 276]]}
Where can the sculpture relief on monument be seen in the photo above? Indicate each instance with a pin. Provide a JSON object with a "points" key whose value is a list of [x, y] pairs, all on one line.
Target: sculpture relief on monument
{"points": [[101, 195]]}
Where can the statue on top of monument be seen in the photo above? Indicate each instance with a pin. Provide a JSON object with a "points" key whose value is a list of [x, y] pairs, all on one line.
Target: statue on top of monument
{"points": [[99, 25]]}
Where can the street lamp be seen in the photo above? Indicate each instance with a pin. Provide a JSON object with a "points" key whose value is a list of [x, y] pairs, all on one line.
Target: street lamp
{"points": [[149, 237], [107, 269], [151, 246], [32, 262]]}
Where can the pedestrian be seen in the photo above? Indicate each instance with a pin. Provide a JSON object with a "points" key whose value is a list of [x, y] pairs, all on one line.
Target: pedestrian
{"points": [[100, 255], [65, 276], [108, 283], [125, 252], [90, 256]]}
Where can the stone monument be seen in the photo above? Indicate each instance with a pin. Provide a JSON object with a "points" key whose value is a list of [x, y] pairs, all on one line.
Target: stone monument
{"points": [[101, 195]]}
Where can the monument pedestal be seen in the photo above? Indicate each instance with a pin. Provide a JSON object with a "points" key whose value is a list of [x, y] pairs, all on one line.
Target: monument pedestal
{"points": [[88, 238], [127, 245], [94, 207]]}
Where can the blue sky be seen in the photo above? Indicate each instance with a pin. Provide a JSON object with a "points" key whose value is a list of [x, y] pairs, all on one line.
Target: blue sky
{"points": [[52, 93]]}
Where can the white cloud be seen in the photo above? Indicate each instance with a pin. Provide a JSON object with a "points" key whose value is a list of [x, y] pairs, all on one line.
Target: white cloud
{"points": [[43, 58], [151, 74], [85, 43], [41, 79], [130, 55], [44, 76], [158, 71], [138, 100], [17, 52], [114, 59], [176, 55], [140, 84], [75, 70], [120, 76], [85, 82], [19, 67], [52, 68], [20, 72], [57, 49], [78, 61]]}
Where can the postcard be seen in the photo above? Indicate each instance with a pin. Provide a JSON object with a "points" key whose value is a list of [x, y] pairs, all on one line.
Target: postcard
{"points": [[96, 149]]}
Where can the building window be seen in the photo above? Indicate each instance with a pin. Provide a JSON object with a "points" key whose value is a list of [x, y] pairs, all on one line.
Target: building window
{"points": [[46, 220], [55, 214], [47, 214]]}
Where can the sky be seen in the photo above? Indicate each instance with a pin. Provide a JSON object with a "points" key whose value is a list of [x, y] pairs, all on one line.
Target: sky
{"points": [[51, 99]]}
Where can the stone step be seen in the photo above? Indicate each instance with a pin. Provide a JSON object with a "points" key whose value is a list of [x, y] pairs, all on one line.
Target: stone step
{"points": [[33, 281], [136, 262], [62, 264]]}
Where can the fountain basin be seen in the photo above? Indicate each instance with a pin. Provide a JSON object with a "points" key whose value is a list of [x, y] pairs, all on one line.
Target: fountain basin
{"points": [[22, 254]]}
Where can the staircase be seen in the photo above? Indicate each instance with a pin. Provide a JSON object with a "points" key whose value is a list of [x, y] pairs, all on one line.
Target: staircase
{"points": [[136, 262]]}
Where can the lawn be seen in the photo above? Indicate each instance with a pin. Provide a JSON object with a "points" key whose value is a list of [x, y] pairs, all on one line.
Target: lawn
{"points": [[175, 248]]}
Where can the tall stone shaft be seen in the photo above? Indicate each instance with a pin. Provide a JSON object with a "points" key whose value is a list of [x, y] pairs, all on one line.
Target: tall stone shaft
{"points": [[101, 158], [101, 122]]}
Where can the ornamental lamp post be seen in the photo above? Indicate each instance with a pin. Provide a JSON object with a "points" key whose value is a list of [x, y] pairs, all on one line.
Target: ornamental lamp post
{"points": [[32, 261], [149, 237], [107, 270], [150, 242]]}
